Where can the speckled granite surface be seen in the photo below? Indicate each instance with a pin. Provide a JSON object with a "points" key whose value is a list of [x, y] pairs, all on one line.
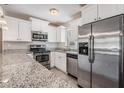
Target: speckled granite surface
{"points": [[20, 71]]}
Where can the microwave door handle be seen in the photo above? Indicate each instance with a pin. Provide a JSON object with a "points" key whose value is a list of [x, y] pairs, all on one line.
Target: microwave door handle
{"points": [[89, 48], [92, 49]]}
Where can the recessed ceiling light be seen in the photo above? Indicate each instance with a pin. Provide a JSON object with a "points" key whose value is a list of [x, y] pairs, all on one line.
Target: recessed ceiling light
{"points": [[54, 12]]}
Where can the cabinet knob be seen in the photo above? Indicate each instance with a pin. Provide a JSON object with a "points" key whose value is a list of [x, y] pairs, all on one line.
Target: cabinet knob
{"points": [[99, 17], [95, 19]]}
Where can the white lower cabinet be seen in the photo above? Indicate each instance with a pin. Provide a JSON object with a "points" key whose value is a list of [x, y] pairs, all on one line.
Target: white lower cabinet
{"points": [[60, 61], [52, 59]]}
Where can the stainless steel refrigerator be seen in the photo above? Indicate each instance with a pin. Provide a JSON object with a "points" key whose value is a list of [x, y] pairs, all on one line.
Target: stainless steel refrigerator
{"points": [[0, 40], [101, 51]]}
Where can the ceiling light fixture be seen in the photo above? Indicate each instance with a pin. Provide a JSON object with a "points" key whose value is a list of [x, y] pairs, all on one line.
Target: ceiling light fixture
{"points": [[54, 12]]}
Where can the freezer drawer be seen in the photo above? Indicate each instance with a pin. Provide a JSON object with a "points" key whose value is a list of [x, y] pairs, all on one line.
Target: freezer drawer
{"points": [[0, 40], [83, 71]]}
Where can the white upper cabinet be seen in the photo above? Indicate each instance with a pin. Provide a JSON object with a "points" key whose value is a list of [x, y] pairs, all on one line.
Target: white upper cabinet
{"points": [[58, 35], [94, 12], [18, 30], [89, 13], [52, 59], [109, 10], [51, 34], [1, 11], [61, 34], [12, 33], [24, 31], [36, 24]]}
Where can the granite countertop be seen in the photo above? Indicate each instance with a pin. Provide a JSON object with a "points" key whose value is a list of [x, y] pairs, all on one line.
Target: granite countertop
{"points": [[20, 71], [72, 51]]}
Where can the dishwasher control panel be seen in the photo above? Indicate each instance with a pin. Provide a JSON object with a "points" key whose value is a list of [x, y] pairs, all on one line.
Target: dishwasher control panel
{"points": [[75, 56]]}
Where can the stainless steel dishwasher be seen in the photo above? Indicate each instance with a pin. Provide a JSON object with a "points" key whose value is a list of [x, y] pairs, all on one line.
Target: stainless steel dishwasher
{"points": [[72, 61]]}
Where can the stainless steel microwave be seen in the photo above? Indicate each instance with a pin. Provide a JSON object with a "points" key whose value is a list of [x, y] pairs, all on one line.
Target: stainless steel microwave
{"points": [[39, 36]]}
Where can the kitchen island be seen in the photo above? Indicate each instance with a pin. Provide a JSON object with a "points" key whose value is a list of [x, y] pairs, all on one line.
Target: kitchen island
{"points": [[18, 70]]}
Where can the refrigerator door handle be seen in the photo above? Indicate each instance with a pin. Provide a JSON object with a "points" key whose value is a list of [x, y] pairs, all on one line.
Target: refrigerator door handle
{"points": [[92, 49], [89, 49]]}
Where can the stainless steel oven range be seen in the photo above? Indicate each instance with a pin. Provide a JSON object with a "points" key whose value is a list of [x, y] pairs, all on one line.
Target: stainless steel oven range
{"points": [[43, 58], [41, 55]]}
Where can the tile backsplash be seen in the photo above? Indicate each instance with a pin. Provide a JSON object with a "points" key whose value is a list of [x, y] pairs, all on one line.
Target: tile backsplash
{"points": [[26, 45], [16, 45]]}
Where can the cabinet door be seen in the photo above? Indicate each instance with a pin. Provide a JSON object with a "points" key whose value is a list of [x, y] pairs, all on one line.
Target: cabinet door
{"points": [[58, 35], [109, 10], [24, 31], [57, 63], [51, 33], [63, 35], [89, 13], [1, 11], [36, 24], [52, 59], [52, 36], [63, 63], [12, 33], [60, 61]]}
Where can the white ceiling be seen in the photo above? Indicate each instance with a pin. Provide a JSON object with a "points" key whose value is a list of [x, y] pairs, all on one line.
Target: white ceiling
{"points": [[42, 11]]}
